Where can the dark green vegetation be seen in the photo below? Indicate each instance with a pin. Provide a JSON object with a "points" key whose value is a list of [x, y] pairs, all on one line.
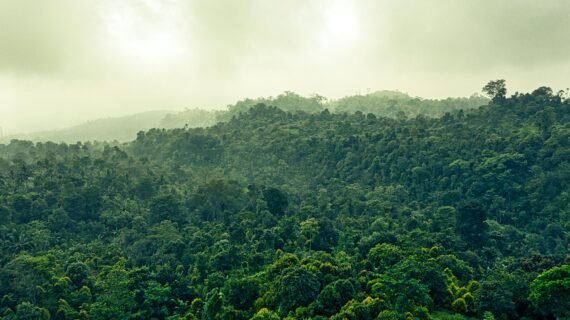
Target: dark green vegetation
{"points": [[382, 103], [277, 214]]}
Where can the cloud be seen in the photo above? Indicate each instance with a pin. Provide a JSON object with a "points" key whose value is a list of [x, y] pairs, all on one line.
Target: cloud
{"points": [[222, 36], [45, 36], [90, 58], [460, 36]]}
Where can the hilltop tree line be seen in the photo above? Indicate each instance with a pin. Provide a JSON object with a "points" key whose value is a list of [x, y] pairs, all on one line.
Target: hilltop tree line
{"points": [[391, 104]]}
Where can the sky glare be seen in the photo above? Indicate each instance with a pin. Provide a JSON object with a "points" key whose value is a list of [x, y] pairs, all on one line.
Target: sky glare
{"points": [[68, 61]]}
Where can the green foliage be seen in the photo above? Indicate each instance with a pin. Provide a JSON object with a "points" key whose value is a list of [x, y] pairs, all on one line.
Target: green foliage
{"points": [[368, 308], [550, 291], [470, 223], [165, 207], [276, 200], [496, 90], [401, 294], [115, 299], [384, 256], [213, 306], [297, 212], [241, 293], [27, 311], [265, 314], [294, 288], [334, 296], [488, 316], [503, 293], [77, 272]]}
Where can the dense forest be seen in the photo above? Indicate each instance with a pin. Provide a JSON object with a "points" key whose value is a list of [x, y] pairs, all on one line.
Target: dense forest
{"points": [[287, 213]]}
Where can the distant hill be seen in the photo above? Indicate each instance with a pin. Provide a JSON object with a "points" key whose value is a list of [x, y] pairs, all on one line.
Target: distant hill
{"points": [[108, 129], [191, 118], [394, 104], [287, 101], [391, 104]]}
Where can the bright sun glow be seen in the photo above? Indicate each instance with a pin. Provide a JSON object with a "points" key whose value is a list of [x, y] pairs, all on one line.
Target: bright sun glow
{"points": [[155, 43], [341, 21]]}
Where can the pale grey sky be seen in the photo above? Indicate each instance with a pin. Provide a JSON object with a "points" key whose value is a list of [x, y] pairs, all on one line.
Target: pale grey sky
{"points": [[67, 61]]}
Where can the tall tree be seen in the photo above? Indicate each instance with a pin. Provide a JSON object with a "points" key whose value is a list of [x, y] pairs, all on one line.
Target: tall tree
{"points": [[496, 90]]}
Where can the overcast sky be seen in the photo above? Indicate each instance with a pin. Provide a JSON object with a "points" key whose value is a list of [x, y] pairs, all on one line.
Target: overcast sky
{"points": [[67, 61]]}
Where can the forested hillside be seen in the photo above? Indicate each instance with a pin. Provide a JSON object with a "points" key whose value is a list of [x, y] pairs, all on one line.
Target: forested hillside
{"points": [[278, 214]]}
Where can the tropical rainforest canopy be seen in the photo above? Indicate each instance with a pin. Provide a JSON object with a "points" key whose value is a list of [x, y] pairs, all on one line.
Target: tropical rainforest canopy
{"points": [[302, 211]]}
